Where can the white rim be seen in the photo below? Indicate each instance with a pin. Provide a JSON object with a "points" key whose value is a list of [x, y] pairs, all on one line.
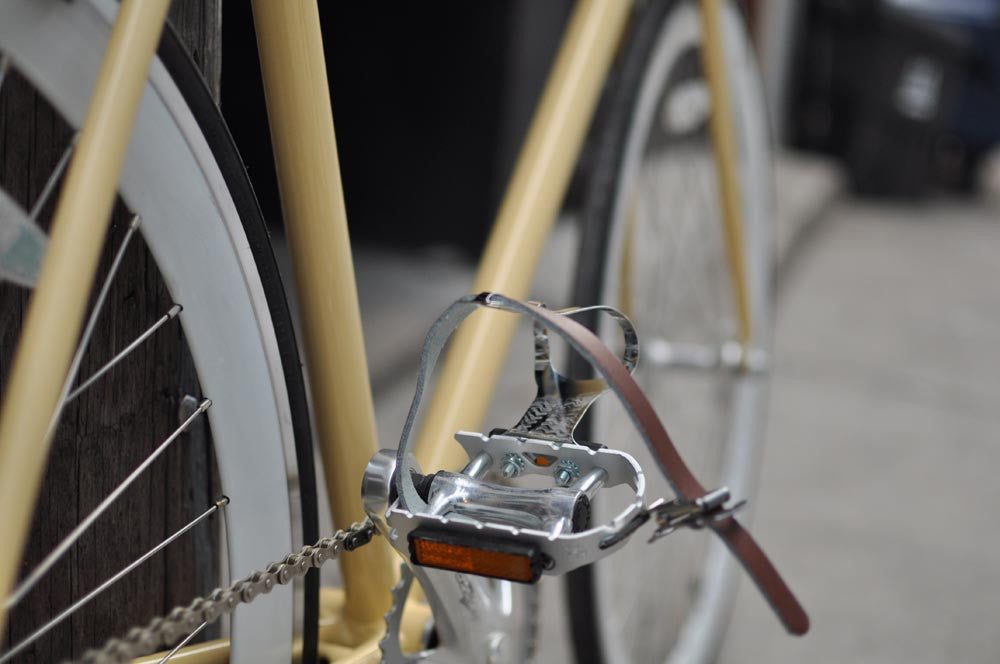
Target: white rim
{"points": [[191, 226], [703, 628]]}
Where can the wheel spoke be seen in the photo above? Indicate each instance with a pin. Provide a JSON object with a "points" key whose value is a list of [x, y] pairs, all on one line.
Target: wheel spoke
{"points": [[74, 367], [56, 553], [73, 608], [167, 317], [50, 184], [187, 639]]}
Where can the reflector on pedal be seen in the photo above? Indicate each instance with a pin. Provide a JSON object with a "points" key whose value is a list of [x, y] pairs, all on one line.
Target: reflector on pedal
{"points": [[482, 555]]}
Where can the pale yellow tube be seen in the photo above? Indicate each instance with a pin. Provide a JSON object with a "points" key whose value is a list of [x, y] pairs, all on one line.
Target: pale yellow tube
{"points": [[57, 306], [312, 200], [713, 58], [529, 208]]}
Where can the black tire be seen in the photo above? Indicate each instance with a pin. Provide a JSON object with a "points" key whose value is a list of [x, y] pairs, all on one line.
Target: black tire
{"points": [[595, 228], [597, 219]]}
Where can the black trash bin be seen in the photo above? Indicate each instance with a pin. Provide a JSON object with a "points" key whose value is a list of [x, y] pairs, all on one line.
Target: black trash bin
{"points": [[907, 93]]}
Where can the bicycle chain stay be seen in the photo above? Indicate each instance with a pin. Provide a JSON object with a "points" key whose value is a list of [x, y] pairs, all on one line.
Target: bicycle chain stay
{"points": [[164, 631]]}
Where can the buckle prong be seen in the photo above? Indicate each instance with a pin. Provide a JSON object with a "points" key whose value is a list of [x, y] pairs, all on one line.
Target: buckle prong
{"points": [[679, 513]]}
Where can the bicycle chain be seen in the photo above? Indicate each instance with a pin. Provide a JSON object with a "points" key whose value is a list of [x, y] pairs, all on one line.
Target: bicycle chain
{"points": [[163, 631]]}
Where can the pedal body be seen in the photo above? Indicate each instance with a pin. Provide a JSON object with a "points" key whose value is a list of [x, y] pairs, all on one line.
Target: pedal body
{"points": [[481, 515]]}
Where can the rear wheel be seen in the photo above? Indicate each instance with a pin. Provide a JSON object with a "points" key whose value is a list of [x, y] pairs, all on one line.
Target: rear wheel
{"points": [[653, 246], [202, 245]]}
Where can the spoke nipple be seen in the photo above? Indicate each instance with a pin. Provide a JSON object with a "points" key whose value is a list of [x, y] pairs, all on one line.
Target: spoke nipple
{"points": [[136, 219], [222, 502], [174, 310]]}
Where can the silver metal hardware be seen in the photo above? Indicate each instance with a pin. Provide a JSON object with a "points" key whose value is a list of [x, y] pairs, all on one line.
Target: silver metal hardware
{"points": [[513, 465], [561, 402], [673, 514], [467, 498], [591, 482], [478, 466], [567, 470]]}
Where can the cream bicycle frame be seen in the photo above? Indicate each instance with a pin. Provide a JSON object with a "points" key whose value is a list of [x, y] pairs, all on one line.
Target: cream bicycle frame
{"points": [[302, 129]]}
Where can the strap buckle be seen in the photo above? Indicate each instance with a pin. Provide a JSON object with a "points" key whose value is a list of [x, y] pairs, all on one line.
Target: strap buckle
{"points": [[678, 513]]}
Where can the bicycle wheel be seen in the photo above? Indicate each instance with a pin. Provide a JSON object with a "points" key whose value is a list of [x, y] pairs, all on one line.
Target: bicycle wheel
{"points": [[652, 246], [204, 247]]}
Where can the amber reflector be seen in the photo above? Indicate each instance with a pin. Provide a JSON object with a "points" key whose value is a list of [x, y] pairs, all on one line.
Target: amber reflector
{"points": [[458, 558], [543, 460]]}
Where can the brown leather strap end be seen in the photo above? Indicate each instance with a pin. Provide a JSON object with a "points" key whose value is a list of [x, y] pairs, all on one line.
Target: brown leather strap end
{"points": [[768, 580]]}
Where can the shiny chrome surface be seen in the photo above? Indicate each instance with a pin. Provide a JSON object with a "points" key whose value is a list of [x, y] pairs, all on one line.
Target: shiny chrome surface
{"points": [[540, 509]]}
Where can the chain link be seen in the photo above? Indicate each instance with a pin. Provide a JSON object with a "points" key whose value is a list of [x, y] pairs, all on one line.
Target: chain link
{"points": [[163, 631]]}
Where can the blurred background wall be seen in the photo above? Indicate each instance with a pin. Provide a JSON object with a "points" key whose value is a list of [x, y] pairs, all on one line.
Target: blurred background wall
{"points": [[432, 100]]}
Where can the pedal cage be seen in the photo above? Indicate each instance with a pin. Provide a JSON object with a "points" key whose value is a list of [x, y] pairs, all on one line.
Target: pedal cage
{"points": [[486, 520]]}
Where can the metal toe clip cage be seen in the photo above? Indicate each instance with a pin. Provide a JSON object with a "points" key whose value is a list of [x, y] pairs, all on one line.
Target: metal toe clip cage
{"points": [[485, 521], [492, 519]]}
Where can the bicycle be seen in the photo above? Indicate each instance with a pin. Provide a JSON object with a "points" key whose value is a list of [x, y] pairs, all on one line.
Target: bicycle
{"points": [[183, 181]]}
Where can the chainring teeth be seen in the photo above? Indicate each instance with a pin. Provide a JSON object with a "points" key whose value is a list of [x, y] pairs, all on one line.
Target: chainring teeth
{"points": [[392, 651]]}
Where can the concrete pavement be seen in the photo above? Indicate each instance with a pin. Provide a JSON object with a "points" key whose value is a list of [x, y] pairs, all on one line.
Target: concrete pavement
{"points": [[882, 457]]}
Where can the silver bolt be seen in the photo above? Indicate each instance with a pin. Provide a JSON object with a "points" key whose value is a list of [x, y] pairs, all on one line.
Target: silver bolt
{"points": [[512, 466], [566, 472]]}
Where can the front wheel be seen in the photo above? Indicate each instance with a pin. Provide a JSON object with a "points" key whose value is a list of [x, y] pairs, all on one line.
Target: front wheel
{"points": [[653, 247]]}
